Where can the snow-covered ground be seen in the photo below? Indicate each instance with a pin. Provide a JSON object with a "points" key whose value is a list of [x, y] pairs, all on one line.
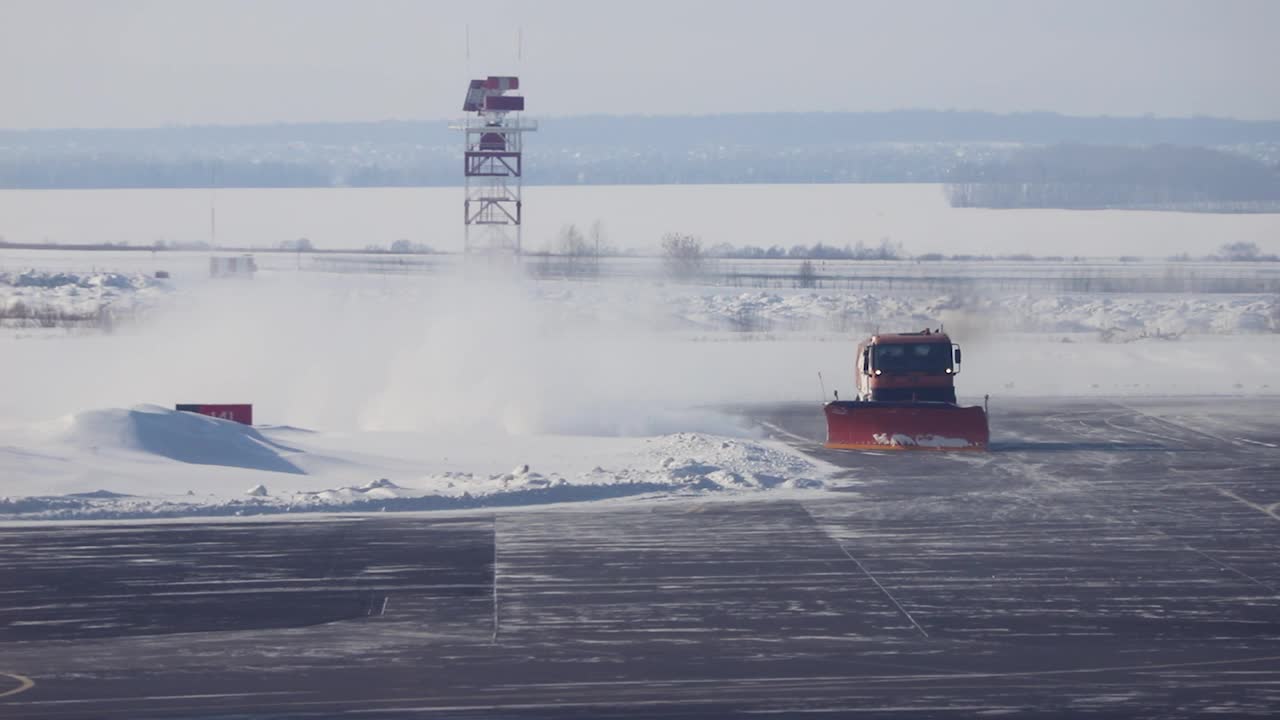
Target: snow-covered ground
{"points": [[918, 216], [1123, 315], [690, 307], [475, 388], [52, 299], [150, 460], [419, 392]]}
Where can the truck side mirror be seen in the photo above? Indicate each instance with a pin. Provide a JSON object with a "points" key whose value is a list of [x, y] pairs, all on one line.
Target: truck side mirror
{"points": [[957, 356], [866, 362]]}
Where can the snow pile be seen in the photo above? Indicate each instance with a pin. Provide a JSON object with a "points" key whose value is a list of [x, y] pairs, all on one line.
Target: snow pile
{"points": [[680, 463], [134, 450], [181, 436], [764, 311], [60, 298], [629, 306], [864, 312], [1196, 314], [64, 299], [46, 279], [731, 463]]}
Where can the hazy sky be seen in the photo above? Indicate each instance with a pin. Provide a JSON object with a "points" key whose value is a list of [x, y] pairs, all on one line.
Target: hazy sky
{"points": [[91, 63]]}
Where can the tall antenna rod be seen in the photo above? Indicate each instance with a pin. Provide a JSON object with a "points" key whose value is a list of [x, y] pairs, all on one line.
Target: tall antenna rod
{"points": [[213, 206]]}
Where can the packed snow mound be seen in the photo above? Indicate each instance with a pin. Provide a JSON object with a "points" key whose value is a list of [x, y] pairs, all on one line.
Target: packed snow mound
{"points": [[182, 436], [683, 463], [686, 465], [728, 463], [49, 279], [35, 298], [765, 311]]}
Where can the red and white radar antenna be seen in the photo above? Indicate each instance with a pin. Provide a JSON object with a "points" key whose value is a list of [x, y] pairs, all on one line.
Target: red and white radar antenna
{"points": [[494, 165]]}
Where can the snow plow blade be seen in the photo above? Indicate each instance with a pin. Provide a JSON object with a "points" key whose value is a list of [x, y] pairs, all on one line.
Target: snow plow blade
{"points": [[905, 426]]}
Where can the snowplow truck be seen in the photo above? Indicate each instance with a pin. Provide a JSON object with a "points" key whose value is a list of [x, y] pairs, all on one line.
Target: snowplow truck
{"points": [[906, 398]]}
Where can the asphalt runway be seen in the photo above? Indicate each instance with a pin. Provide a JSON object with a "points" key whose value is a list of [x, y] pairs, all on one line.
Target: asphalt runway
{"points": [[1104, 560]]}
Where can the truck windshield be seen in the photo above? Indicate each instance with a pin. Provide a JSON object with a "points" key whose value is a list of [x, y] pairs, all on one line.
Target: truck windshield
{"points": [[914, 357]]}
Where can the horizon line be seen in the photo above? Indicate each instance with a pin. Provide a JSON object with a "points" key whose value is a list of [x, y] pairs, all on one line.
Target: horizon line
{"points": [[388, 121]]}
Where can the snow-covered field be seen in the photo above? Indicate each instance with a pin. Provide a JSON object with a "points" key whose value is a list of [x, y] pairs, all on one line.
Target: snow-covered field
{"points": [[918, 216], [694, 308], [476, 387]]}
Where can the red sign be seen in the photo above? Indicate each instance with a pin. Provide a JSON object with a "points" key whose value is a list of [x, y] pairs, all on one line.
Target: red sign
{"points": [[242, 414]]}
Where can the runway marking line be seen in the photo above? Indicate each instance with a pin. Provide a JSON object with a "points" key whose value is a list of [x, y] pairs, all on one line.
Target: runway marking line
{"points": [[1188, 428], [873, 579], [883, 589], [193, 696], [1264, 509], [788, 433], [24, 684]]}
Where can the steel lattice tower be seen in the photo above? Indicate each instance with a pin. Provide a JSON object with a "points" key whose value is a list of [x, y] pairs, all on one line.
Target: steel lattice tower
{"points": [[494, 165]]}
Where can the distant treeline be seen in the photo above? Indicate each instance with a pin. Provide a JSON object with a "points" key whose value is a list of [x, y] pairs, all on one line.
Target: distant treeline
{"points": [[400, 247], [343, 167], [886, 250], [899, 146], [684, 131], [1161, 177], [119, 171]]}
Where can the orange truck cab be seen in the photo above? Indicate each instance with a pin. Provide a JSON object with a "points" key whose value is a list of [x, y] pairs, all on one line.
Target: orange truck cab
{"points": [[906, 398], [912, 367]]}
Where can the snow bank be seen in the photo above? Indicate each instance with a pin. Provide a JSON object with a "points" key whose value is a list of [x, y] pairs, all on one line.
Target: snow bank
{"points": [[46, 279], [681, 461], [181, 436], [36, 298], [763, 311], [623, 304], [685, 464]]}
